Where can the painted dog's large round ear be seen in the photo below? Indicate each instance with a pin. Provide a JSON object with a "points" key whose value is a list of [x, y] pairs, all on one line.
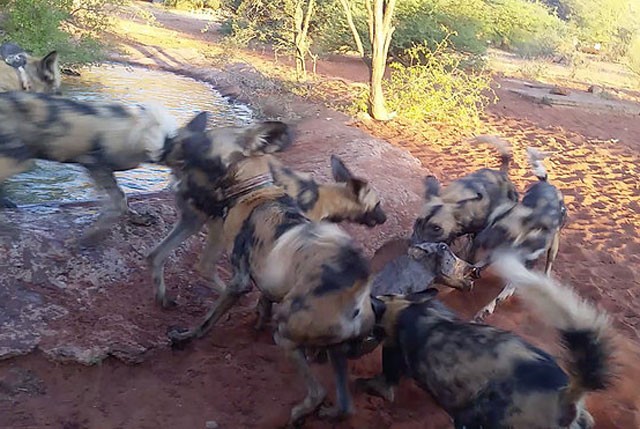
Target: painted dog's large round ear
{"points": [[199, 123], [339, 170], [432, 187], [477, 197]]}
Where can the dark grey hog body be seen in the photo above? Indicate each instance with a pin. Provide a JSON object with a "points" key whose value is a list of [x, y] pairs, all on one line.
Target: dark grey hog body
{"points": [[403, 275]]}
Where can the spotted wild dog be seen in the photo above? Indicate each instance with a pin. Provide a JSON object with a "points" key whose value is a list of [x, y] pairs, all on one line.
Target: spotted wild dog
{"points": [[485, 377], [464, 205], [530, 228], [313, 271], [21, 72], [102, 137], [350, 198]]}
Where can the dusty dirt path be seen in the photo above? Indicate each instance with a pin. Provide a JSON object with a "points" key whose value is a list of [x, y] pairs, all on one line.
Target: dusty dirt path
{"points": [[237, 377]]}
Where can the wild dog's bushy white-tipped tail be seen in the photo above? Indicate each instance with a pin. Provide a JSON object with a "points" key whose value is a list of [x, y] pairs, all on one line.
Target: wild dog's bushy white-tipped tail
{"points": [[535, 160], [501, 145], [585, 331], [158, 124]]}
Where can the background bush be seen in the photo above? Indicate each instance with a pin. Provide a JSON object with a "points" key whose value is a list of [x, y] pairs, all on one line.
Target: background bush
{"points": [[434, 88], [71, 27]]}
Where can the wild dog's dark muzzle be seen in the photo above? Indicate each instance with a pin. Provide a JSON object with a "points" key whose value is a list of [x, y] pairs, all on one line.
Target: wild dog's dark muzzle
{"points": [[373, 218]]}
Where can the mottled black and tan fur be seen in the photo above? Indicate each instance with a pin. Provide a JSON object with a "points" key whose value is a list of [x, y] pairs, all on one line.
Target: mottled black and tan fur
{"points": [[313, 271], [350, 198], [102, 137], [485, 377], [465, 205], [530, 228]]}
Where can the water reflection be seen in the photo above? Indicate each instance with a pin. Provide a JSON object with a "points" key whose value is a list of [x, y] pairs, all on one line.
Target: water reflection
{"points": [[50, 181]]}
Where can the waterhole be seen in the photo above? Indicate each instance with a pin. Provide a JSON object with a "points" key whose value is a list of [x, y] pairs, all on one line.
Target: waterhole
{"points": [[183, 97]]}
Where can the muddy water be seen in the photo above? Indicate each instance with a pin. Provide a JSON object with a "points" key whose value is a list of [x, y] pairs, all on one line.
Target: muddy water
{"points": [[183, 96]]}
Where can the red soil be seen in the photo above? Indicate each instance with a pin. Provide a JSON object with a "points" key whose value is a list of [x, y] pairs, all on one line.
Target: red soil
{"points": [[239, 378]]}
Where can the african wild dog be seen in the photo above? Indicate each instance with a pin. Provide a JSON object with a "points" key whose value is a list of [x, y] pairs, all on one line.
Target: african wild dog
{"points": [[21, 72], [102, 137], [314, 271], [530, 228], [485, 377], [351, 198], [464, 205]]}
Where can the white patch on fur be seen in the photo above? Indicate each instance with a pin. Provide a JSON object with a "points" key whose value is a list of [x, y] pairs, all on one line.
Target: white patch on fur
{"points": [[293, 241], [535, 160], [157, 124], [557, 305], [500, 144]]}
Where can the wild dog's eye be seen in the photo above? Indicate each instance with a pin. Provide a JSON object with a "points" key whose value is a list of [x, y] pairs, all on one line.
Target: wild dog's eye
{"points": [[436, 228], [356, 313]]}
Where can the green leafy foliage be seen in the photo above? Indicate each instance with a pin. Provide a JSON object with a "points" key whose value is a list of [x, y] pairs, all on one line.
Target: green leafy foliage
{"points": [[435, 88], [69, 26]]}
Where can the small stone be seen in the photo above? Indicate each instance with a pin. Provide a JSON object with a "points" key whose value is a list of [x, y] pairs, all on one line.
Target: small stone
{"points": [[211, 424], [556, 90], [594, 89]]}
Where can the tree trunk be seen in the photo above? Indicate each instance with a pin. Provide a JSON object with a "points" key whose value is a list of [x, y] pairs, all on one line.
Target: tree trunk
{"points": [[380, 32], [302, 19], [352, 26]]}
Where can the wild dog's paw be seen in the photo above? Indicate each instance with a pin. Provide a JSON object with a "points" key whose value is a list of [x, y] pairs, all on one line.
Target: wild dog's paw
{"points": [[165, 302], [6, 203], [334, 412], [142, 219], [179, 336], [376, 386]]}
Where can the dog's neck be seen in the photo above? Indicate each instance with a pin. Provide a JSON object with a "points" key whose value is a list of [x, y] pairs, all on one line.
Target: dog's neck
{"points": [[238, 190]]}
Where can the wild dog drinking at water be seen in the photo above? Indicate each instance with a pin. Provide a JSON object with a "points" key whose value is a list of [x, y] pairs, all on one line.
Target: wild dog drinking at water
{"points": [[465, 205], [102, 137], [530, 228], [351, 198], [485, 377], [21, 72], [315, 272]]}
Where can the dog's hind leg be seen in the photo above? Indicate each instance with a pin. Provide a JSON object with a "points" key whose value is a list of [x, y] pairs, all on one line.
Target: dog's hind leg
{"points": [[113, 208], [344, 405], [315, 392], [190, 223], [208, 263], [552, 253], [263, 308], [239, 285]]}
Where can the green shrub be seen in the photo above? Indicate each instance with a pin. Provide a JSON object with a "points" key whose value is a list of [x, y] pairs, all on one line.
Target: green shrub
{"points": [[69, 26], [435, 88], [193, 4], [530, 29], [633, 56]]}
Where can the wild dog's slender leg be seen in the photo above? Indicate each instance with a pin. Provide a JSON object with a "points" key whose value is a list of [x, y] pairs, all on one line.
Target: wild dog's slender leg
{"points": [[190, 222], [113, 208], [344, 405], [239, 285], [393, 368], [208, 263], [315, 392], [490, 308], [263, 309], [506, 293], [552, 253]]}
